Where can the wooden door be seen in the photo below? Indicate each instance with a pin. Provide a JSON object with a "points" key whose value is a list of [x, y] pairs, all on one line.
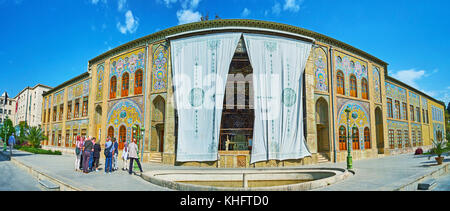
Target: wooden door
{"points": [[161, 139]]}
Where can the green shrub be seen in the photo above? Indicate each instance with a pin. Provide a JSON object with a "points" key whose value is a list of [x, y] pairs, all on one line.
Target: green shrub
{"points": [[38, 151]]}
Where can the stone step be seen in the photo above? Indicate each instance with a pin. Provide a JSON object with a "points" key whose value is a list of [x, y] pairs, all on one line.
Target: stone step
{"points": [[322, 159], [155, 158], [50, 186]]}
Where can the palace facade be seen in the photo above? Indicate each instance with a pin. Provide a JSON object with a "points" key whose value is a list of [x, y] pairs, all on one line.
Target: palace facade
{"points": [[133, 85]]}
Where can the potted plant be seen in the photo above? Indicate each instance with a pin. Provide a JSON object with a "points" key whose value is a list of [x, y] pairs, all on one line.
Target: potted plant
{"points": [[438, 149]]}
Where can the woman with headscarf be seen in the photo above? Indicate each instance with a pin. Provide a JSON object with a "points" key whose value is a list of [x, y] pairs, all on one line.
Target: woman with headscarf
{"points": [[78, 147]]}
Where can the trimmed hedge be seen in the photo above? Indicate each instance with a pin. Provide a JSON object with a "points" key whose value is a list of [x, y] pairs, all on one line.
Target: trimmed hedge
{"points": [[38, 151]]}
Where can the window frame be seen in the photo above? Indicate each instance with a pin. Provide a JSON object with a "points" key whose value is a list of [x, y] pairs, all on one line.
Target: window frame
{"points": [[138, 82], [353, 86], [340, 82]]}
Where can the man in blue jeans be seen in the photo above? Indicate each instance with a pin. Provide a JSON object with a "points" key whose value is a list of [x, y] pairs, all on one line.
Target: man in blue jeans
{"points": [[11, 142], [108, 155], [91, 158]]}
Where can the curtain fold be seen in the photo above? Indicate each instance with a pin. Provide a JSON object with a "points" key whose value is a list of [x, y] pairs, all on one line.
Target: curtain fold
{"points": [[200, 67], [278, 66]]}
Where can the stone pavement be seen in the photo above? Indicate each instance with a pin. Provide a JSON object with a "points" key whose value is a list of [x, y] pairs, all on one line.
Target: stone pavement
{"points": [[381, 174], [389, 173]]}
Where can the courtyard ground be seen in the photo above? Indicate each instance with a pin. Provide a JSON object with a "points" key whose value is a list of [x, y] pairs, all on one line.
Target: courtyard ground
{"points": [[398, 172]]}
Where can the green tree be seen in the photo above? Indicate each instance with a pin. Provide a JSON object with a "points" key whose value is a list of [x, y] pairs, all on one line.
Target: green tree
{"points": [[7, 129], [35, 136], [23, 128], [448, 108]]}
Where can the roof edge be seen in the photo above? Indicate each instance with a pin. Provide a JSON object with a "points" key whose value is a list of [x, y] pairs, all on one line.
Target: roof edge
{"points": [[77, 78], [238, 23], [390, 78]]}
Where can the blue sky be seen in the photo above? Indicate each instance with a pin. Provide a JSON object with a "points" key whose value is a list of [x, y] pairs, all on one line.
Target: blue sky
{"points": [[51, 41]]}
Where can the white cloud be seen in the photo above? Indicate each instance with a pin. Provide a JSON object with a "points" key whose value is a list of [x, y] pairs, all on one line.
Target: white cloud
{"points": [[292, 5], [245, 13], [131, 24], [96, 1], [276, 9], [410, 77], [289, 5], [121, 4], [188, 16], [168, 2]]}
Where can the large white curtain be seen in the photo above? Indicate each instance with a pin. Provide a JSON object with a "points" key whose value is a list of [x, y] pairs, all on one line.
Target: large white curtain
{"points": [[278, 66], [200, 69]]}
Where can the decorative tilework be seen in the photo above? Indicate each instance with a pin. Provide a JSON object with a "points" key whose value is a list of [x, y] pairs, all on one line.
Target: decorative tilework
{"points": [[437, 114], [321, 70], [127, 113], [424, 103], [396, 126], [395, 93], [414, 99], [359, 116], [100, 75], [160, 67], [437, 127], [351, 65], [129, 62], [376, 85], [58, 98], [78, 90]]}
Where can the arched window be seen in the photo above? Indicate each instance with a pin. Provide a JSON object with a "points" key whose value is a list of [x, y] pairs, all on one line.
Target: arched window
{"points": [[399, 139], [340, 83], [391, 137], [365, 89], [122, 136], [353, 87], [125, 84], [355, 136], [113, 88], [406, 136], [366, 138], [138, 82], [111, 132], [342, 134]]}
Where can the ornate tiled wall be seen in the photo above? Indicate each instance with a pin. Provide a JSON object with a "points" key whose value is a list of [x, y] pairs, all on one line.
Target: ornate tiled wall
{"points": [[351, 65], [396, 126], [414, 99], [320, 70], [127, 112], [130, 63], [78, 90], [396, 93], [376, 85], [437, 127], [437, 114], [160, 67], [359, 116], [100, 79]]}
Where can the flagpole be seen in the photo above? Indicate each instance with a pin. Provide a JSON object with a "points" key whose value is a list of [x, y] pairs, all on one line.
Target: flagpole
{"points": [[3, 122]]}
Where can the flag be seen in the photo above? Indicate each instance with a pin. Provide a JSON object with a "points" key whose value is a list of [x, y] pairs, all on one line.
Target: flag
{"points": [[17, 103], [6, 98]]}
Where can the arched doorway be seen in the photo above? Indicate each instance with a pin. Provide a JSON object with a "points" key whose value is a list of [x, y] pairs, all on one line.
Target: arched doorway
{"points": [[98, 122], [158, 120], [379, 130], [322, 126], [122, 136], [111, 132]]}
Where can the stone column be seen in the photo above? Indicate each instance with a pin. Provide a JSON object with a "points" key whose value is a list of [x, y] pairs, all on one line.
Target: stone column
{"points": [[169, 127], [311, 132]]}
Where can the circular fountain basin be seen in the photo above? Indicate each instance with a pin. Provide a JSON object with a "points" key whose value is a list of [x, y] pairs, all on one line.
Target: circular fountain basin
{"points": [[289, 179]]}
